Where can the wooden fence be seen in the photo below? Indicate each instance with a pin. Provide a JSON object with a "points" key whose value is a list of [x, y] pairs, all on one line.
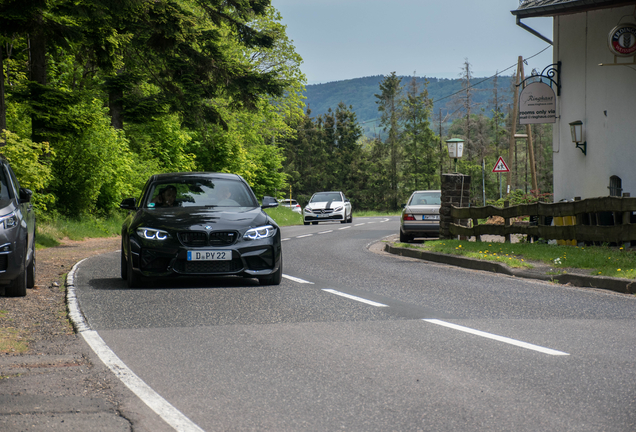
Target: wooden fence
{"points": [[592, 220]]}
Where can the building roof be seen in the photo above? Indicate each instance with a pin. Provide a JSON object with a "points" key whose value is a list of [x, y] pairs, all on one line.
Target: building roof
{"points": [[544, 8]]}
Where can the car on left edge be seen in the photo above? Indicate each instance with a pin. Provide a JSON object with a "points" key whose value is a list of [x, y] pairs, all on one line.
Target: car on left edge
{"points": [[199, 225], [17, 235]]}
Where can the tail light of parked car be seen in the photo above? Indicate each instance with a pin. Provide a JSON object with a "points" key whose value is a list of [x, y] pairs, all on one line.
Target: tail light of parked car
{"points": [[408, 217]]}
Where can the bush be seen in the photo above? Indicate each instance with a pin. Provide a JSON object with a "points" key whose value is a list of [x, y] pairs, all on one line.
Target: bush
{"points": [[31, 163]]}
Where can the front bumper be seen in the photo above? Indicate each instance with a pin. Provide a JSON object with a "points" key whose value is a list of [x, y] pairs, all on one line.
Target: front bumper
{"points": [[11, 260], [252, 259], [323, 217]]}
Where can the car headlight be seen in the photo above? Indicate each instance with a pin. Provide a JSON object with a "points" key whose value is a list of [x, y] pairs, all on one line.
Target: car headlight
{"points": [[260, 232], [337, 209], [152, 234], [9, 220]]}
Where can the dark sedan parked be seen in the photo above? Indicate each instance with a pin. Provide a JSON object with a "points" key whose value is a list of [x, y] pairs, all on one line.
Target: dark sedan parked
{"points": [[200, 225], [17, 235]]}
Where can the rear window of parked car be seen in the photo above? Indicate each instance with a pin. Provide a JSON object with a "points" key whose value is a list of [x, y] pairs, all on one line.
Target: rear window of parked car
{"points": [[426, 198]]}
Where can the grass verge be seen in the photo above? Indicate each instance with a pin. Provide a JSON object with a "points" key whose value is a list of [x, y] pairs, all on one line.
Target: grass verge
{"points": [[599, 260], [51, 232]]}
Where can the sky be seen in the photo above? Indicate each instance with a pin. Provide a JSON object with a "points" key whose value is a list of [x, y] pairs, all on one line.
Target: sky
{"points": [[345, 39]]}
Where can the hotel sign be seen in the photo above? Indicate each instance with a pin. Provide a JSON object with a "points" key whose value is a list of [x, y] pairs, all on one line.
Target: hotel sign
{"points": [[537, 104]]}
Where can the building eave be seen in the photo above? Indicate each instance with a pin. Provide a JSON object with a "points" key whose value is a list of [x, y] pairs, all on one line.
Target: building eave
{"points": [[546, 8]]}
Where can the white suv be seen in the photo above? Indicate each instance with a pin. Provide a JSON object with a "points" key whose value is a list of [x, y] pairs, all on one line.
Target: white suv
{"points": [[327, 206]]}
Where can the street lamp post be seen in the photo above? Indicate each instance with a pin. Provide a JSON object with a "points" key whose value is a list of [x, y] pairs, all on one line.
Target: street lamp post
{"points": [[455, 149]]}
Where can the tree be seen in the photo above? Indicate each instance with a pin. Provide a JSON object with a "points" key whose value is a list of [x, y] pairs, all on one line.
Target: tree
{"points": [[389, 107], [420, 153]]}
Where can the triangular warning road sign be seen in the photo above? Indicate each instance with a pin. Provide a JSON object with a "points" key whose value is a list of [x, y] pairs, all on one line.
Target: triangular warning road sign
{"points": [[500, 166]]}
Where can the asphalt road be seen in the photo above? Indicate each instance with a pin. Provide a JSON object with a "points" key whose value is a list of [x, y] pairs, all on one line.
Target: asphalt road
{"points": [[360, 341]]}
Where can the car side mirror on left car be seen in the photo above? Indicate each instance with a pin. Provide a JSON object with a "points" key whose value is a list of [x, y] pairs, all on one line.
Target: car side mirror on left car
{"points": [[128, 204], [25, 195], [269, 202]]}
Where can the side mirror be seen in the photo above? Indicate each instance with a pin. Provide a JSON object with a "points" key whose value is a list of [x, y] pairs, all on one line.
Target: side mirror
{"points": [[403, 205], [128, 204], [269, 202], [25, 195]]}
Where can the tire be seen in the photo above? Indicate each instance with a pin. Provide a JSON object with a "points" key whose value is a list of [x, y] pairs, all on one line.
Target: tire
{"points": [[18, 286], [124, 266], [344, 220], [350, 218], [274, 279], [405, 238], [30, 270], [134, 280], [306, 223]]}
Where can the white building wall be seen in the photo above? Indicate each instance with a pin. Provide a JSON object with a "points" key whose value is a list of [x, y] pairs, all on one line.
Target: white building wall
{"points": [[602, 97]]}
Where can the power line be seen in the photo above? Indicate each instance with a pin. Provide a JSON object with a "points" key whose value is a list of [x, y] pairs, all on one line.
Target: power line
{"points": [[476, 84]]}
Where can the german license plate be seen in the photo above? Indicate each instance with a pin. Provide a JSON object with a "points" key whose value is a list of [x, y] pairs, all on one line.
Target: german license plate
{"points": [[430, 217], [322, 215], [209, 255]]}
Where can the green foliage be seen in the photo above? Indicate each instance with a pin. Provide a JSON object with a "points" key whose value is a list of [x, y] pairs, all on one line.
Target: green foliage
{"points": [[284, 216], [189, 85], [93, 170], [51, 231], [31, 164], [518, 196]]}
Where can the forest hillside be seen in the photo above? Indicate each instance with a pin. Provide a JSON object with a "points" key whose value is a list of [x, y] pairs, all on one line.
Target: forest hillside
{"points": [[359, 93]]}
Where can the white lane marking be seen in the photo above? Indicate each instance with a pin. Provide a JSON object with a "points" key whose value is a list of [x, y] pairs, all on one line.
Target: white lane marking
{"points": [[326, 232], [344, 228], [285, 239], [167, 412], [295, 279], [370, 223], [303, 236], [349, 296], [497, 337], [359, 224]]}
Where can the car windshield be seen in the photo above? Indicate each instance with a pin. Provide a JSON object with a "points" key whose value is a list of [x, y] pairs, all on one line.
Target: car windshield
{"points": [[426, 198], [326, 196], [200, 193], [4, 189]]}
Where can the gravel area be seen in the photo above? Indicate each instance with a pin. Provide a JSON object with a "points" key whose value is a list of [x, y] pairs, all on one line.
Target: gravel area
{"points": [[57, 383], [40, 317]]}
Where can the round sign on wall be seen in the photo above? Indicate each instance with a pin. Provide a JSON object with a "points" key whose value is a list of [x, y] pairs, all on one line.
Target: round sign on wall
{"points": [[622, 40]]}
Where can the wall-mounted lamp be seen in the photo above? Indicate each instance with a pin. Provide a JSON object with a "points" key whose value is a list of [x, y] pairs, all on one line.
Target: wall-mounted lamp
{"points": [[576, 128], [455, 149]]}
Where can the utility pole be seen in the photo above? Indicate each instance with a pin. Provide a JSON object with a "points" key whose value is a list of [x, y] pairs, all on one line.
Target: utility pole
{"points": [[530, 149], [513, 126]]}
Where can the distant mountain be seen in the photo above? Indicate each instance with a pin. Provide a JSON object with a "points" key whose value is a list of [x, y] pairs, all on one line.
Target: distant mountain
{"points": [[359, 93]]}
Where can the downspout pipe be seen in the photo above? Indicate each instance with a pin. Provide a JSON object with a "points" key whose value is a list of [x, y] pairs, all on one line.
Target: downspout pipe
{"points": [[533, 31]]}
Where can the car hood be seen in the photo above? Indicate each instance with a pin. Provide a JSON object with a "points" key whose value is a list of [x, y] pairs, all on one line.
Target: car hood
{"points": [[325, 204], [202, 218]]}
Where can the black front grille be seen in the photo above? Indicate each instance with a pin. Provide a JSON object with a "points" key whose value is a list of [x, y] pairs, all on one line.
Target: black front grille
{"points": [[4, 262], [208, 267], [200, 238], [193, 238], [223, 238]]}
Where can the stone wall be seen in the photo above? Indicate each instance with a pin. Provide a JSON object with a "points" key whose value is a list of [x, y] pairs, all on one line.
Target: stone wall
{"points": [[455, 192]]}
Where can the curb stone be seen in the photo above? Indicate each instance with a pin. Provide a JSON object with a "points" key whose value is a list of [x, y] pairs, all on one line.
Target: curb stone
{"points": [[623, 286]]}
